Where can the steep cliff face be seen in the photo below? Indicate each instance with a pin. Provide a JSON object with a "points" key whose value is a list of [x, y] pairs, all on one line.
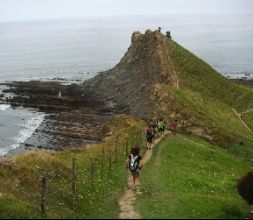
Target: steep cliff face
{"points": [[130, 83]]}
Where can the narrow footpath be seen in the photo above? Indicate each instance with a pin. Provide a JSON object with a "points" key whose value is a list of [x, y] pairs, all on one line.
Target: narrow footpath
{"points": [[126, 202], [239, 115], [250, 110], [171, 64]]}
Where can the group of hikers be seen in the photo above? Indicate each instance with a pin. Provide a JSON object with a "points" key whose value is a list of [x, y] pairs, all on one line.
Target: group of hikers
{"points": [[134, 162], [155, 130]]}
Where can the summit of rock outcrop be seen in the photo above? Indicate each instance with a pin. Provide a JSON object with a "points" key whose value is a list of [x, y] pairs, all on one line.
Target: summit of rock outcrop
{"points": [[130, 83]]}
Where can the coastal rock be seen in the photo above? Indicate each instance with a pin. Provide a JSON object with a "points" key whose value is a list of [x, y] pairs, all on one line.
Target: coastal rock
{"points": [[8, 165], [131, 82], [72, 119], [245, 82]]}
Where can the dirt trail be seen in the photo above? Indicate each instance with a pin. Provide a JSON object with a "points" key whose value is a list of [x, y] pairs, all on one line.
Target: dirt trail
{"points": [[240, 117], [193, 142], [169, 59], [126, 202], [250, 110]]}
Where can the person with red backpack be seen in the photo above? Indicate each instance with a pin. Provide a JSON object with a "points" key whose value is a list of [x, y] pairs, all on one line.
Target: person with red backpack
{"points": [[174, 127], [149, 135]]}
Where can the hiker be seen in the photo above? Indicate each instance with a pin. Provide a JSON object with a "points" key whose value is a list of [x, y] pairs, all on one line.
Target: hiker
{"points": [[134, 164], [161, 127], [164, 123], [174, 127], [149, 135], [155, 131], [59, 94], [245, 190]]}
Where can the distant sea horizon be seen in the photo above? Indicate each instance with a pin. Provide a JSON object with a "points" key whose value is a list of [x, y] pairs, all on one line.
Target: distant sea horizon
{"points": [[78, 48]]}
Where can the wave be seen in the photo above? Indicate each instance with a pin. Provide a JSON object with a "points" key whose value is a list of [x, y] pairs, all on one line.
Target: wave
{"points": [[239, 75], [30, 126], [4, 107]]}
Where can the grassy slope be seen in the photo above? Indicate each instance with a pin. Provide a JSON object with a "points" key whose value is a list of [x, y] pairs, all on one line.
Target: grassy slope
{"points": [[210, 97], [197, 75], [19, 192], [191, 180], [248, 118], [217, 116]]}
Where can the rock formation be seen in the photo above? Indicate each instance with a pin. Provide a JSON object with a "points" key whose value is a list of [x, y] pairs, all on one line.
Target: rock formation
{"points": [[130, 83]]}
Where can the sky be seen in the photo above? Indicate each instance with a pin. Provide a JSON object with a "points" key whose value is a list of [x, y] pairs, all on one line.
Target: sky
{"points": [[11, 10]]}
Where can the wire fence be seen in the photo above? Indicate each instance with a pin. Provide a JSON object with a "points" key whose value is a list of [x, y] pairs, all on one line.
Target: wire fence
{"points": [[88, 178]]}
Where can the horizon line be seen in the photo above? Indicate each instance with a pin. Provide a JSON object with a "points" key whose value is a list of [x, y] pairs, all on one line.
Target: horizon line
{"points": [[111, 16]]}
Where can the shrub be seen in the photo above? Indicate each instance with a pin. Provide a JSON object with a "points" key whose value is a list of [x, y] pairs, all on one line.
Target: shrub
{"points": [[245, 187]]}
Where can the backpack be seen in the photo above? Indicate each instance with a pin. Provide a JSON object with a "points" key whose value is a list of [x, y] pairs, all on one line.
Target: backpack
{"points": [[149, 132], [133, 164], [160, 124]]}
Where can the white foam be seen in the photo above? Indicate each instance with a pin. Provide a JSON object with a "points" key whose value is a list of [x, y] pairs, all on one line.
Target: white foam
{"points": [[30, 126], [4, 107]]}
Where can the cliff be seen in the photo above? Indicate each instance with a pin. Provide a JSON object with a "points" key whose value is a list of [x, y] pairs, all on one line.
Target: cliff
{"points": [[130, 83]]}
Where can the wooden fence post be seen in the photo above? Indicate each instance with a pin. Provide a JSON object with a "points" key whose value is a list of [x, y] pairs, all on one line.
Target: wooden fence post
{"points": [[102, 162], [126, 147], [110, 163], [116, 148], [43, 195], [92, 173], [246, 156], [74, 195], [103, 151]]}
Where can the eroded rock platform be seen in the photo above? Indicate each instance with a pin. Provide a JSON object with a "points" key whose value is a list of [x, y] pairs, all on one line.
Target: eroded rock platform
{"points": [[73, 117]]}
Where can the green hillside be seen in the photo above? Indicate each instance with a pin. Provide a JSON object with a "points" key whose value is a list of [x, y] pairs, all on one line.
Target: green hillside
{"points": [[248, 117], [199, 76], [211, 99], [189, 178]]}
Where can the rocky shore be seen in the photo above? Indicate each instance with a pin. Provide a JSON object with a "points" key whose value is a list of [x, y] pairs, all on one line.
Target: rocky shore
{"points": [[245, 82], [73, 118]]}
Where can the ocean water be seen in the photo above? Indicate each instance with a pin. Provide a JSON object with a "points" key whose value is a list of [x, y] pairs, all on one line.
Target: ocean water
{"points": [[76, 49], [16, 125]]}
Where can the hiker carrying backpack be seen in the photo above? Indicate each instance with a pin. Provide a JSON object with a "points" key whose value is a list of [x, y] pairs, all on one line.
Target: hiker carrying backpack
{"points": [[133, 163], [161, 127], [174, 127], [149, 134]]}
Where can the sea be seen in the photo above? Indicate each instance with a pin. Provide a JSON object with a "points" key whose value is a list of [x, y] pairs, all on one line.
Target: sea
{"points": [[75, 49]]}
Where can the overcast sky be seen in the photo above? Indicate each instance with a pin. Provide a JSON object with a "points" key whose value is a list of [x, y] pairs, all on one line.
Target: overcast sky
{"points": [[43, 9]]}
